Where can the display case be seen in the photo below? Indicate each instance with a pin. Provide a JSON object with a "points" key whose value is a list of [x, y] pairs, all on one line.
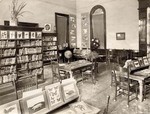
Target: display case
{"points": [[50, 48]]}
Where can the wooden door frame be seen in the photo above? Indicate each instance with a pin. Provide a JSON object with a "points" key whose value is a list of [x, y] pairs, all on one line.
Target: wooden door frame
{"points": [[67, 16]]}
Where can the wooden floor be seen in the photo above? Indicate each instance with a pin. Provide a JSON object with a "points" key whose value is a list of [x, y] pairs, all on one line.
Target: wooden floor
{"points": [[96, 95]]}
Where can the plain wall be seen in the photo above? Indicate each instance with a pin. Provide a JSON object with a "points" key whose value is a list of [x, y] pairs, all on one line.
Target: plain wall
{"points": [[39, 11], [121, 16]]}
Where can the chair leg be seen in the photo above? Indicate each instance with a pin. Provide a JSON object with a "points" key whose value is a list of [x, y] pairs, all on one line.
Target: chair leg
{"points": [[128, 98], [115, 93], [136, 93], [93, 79], [144, 95], [82, 77]]}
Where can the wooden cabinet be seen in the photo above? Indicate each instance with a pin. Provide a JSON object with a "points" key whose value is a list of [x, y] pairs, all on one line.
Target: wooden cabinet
{"points": [[144, 25]]}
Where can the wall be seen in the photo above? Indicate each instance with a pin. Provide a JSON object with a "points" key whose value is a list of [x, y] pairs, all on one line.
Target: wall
{"points": [[39, 11], [121, 16]]}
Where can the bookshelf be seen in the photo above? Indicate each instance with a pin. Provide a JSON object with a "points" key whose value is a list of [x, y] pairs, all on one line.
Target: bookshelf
{"points": [[50, 49], [20, 53]]}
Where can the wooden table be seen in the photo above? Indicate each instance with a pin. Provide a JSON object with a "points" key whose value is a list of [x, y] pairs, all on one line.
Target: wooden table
{"points": [[74, 66], [140, 76]]}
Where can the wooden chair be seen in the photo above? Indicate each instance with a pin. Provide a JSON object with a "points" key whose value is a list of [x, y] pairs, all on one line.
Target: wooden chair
{"points": [[107, 105], [91, 72], [24, 84], [123, 85], [57, 73], [146, 87]]}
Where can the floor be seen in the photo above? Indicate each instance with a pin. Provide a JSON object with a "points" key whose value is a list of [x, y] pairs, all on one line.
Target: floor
{"points": [[96, 95]]}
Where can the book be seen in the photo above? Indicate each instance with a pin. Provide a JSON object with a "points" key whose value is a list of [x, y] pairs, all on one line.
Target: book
{"points": [[84, 108]]}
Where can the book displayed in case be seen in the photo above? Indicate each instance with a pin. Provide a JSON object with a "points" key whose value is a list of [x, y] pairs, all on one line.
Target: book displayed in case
{"points": [[21, 53], [50, 49]]}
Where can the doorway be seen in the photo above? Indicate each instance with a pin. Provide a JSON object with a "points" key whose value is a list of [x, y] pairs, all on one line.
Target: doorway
{"points": [[98, 27], [62, 29]]}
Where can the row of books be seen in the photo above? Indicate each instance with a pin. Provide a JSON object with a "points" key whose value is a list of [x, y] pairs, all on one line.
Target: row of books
{"points": [[7, 52], [50, 48], [7, 69], [7, 61], [8, 78], [7, 44], [27, 58], [35, 64], [49, 43], [36, 71], [50, 58], [20, 35], [50, 53], [50, 38], [23, 66], [30, 50], [30, 43], [22, 59]]}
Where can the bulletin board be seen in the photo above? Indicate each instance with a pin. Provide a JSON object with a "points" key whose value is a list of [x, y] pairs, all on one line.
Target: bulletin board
{"points": [[85, 30], [72, 31]]}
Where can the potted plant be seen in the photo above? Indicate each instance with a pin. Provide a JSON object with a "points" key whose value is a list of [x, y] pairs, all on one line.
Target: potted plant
{"points": [[16, 11]]}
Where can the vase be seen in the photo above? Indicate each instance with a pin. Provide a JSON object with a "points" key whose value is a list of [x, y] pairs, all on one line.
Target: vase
{"points": [[13, 22]]}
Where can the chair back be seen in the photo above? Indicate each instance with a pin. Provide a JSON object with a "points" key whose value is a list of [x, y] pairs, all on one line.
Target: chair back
{"points": [[120, 74], [55, 67]]}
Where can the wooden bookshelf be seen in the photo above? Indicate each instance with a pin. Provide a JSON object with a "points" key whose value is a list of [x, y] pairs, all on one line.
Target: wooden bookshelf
{"points": [[21, 53], [50, 48]]}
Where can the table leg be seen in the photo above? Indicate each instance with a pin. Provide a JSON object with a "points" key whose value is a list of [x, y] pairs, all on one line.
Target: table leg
{"points": [[140, 90]]}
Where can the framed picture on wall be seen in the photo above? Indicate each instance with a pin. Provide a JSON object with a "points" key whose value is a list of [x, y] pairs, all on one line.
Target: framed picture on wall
{"points": [[120, 36], [47, 28]]}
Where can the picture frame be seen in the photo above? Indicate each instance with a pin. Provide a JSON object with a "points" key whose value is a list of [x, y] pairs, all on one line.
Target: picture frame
{"points": [[120, 36], [11, 108], [54, 95], [26, 35], [47, 27], [39, 35], [70, 90], [35, 104], [136, 63], [19, 35], [141, 62], [145, 60], [32, 35], [80, 107], [4, 35], [11, 34]]}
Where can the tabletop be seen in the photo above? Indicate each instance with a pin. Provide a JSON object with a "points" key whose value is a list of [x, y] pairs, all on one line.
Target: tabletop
{"points": [[75, 65]]}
